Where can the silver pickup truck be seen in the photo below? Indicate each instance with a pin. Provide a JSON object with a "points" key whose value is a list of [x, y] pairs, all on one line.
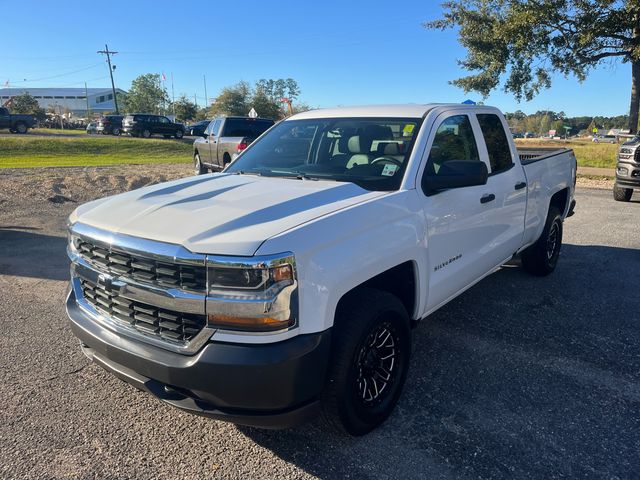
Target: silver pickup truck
{"points": [[224, 139]]}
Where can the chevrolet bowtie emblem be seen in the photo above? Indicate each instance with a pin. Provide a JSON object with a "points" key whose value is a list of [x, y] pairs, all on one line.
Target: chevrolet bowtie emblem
{"points": [[110, 284]]}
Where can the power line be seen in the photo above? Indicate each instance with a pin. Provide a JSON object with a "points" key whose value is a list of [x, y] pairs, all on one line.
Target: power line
{"points": [[59, 75], [113, 86]]}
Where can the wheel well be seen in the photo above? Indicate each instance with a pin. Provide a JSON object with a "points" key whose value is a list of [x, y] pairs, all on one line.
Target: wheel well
{"points": [[559, 200], [399, 281], [226, 158]]}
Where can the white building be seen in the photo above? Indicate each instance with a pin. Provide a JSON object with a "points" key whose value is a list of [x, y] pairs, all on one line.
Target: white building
{"points": [[63, 100]]}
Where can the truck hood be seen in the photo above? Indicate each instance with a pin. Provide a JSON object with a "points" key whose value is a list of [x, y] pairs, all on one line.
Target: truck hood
{"points": [[223, 214]]}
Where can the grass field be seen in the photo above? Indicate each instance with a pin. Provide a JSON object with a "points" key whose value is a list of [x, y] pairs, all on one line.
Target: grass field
{"points": [[50, 131], [31, 151], [588, 154]]}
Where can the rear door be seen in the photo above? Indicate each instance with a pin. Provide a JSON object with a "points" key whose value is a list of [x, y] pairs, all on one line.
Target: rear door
{"points": [[506, 182], [460, 238]]}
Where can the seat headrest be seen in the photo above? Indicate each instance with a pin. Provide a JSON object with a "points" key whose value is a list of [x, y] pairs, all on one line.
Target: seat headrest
{"points": [[359, 144], [388, 149]]}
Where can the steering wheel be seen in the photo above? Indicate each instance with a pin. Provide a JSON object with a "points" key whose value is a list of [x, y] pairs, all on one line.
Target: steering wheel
{"points": [[391, 160]]}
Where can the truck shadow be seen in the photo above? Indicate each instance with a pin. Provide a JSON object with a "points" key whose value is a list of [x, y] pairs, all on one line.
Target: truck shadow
{"points": [[518, 377], [25, 252]]}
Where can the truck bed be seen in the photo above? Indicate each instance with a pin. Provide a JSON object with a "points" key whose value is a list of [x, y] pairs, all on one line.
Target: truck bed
{"points": [[531, 155]]}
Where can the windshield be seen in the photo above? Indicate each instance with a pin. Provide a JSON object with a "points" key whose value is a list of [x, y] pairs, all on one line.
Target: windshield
{"points": [[370, 152]]}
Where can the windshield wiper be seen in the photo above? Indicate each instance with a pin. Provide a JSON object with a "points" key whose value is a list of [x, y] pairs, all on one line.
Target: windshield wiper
{"points": [[250, 172], [304, 176]]}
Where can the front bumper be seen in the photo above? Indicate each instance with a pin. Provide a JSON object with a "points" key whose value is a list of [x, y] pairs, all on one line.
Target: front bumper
{"points": [[627, 175], [266, 385]]}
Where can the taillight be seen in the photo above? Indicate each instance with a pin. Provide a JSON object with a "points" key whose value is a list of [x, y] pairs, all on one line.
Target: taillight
{"points": [[242, 145]]}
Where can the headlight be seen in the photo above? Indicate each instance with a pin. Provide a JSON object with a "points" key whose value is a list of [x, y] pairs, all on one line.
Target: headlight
{"points": [[256, 294]]}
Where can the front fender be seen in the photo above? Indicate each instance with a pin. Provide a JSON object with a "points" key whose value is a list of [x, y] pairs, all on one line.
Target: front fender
{"points": [[340, 251]]}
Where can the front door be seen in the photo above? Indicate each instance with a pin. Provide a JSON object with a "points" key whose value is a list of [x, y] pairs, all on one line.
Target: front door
{"points": [[165, 126], [460, 235], [213, 142]]}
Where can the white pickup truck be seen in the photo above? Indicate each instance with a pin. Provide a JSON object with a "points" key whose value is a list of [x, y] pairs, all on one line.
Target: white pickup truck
{"points": [[289, 284]]}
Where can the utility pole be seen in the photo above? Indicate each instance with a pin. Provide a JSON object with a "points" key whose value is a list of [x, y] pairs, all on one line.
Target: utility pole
{"points": [[113, 87], [206, 99], [173, 98], [86, 96]]}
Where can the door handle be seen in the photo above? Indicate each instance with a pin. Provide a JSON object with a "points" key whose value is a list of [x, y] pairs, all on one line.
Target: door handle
{"points": [[490, 197], [520, 185]]}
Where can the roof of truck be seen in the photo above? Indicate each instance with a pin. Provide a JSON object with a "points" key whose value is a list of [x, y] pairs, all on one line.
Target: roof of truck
{"points": [[409, 110]]}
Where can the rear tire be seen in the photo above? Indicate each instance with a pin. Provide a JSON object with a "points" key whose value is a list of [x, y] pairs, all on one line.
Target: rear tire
{"points": [[115, 131], [541, 258], [622, 194], [199, 168], [146, 133], [369, 361]]}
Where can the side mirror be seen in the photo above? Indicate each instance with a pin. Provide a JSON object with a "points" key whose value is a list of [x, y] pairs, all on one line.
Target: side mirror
{"points": [[205, 135], [456, 174]]}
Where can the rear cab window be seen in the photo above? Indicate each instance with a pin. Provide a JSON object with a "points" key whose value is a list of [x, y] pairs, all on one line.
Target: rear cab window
{"points": [[245, 127]]}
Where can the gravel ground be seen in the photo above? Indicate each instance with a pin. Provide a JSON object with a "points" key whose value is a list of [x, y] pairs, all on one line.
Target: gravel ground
{"points": [[520, 377]]}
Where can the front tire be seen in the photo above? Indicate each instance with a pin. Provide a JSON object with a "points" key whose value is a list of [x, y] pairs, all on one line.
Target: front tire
{"points": [[622, 194], [115, 131], [179, 134], [21, 128], [369, 363], [146, 133], [541, 258]]}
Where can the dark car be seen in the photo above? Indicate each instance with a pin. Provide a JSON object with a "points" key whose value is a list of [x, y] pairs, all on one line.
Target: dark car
{"points": [[145, 125], [110, 125], [197, 129]]}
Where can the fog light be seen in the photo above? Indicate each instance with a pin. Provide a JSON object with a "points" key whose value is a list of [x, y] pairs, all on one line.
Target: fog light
{"points": [[622, 171]]}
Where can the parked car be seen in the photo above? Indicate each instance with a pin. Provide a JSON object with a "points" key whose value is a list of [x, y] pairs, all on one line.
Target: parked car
{"points": [[224, 139], [16, 123], [145, 125], [92, 128], [627, 170], [604, 139], [110, 125], [197, 129], [289, 284]]}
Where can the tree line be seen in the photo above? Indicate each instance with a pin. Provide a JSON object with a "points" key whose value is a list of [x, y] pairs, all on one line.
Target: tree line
{"points": [[542, 121], [147, 94]]}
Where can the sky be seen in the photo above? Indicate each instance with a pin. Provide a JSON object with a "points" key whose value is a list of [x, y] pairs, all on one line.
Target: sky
{"points": [[340, 52]]}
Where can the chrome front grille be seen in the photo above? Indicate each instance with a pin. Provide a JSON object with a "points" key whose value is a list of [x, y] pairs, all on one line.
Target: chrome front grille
{"points": [[148, 319], [141, 269]]}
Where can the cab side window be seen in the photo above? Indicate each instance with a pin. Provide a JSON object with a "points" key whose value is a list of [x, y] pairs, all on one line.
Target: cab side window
{"points": [[454, 140], [496, 140]]}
